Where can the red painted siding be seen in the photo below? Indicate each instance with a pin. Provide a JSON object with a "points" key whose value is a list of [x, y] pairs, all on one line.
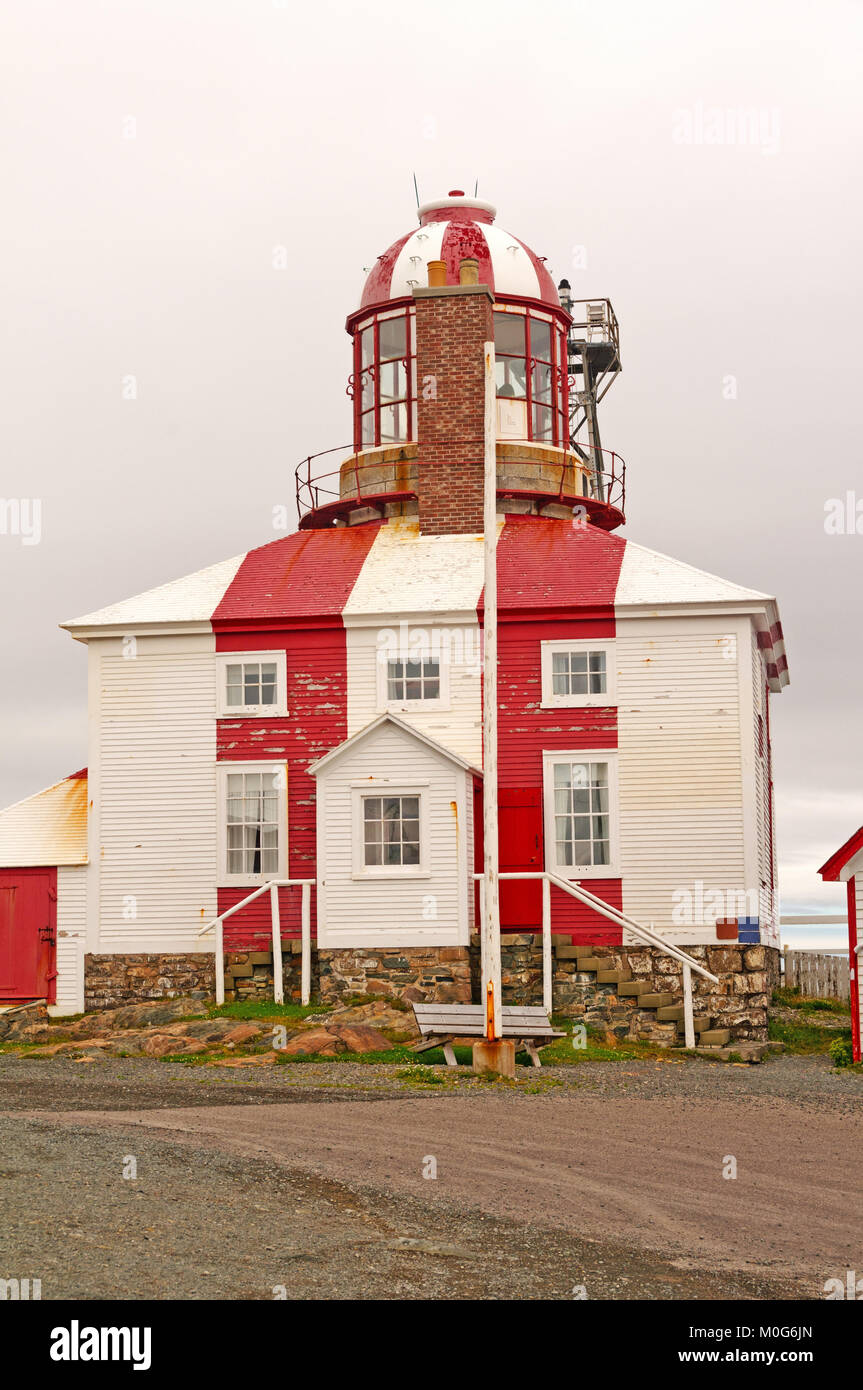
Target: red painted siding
{"points": [[303, 582], [554, 581]]}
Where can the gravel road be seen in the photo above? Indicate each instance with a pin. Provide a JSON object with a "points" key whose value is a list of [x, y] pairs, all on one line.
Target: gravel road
{"points": [[605, 1177]]}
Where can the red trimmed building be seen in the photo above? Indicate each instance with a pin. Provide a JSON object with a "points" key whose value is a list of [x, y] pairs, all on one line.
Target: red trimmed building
{"points": [[313, 709], [846, 866]]}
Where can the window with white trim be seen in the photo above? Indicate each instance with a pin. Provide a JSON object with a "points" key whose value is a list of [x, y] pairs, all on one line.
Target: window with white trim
{"points": [[252, 822], [581, 814], [577, 672], [390, 833], [413, 680], [251, 684]]}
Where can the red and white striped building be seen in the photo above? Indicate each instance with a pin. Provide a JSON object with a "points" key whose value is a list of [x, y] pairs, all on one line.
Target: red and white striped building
{"points": [[312, 709]]}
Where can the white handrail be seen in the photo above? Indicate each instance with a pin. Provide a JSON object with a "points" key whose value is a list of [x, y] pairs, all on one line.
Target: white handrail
{"points": [[646, 934], [272, 887]]}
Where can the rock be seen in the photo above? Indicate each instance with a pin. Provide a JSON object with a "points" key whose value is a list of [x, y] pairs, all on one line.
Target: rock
{"points": [[242, 1032], [312, 1042], [132, 1016], [359, 1037], [167, 1044]]}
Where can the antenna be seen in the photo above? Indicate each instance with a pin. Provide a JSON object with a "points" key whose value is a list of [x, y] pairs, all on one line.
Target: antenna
{"points": [[416, 190], [476, 188]]}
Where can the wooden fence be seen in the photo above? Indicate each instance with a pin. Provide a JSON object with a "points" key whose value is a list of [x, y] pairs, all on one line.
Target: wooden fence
{"points": [[816, 974]]}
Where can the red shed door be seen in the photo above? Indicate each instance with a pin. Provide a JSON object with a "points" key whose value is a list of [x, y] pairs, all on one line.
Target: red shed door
{"points": [[28, 934]]}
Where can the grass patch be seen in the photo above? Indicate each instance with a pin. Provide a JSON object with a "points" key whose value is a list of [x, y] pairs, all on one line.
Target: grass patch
{"points": [[265, 1009], [601, 1047], [793, 999], [806, 1039]]}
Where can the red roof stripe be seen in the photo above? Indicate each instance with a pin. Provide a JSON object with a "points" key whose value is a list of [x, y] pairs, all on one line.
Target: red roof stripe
{"points": [[544, 568], [305, 576], [377, 287], [462, 240]]}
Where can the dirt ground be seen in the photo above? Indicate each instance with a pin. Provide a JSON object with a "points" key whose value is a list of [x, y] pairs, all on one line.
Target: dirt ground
{"points": [[605, 1178]]}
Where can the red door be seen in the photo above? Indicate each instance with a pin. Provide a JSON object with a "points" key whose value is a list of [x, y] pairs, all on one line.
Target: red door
{"points": [[28, 934], [520, 839]]}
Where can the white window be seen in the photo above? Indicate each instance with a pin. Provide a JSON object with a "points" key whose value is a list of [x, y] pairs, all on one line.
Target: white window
{"points": [[577, 672], [581, 809], [251, 684], [390, 835], [252, 822]]}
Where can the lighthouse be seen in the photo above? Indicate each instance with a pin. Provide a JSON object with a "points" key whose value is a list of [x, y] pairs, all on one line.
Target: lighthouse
{"points": [[289, 743]]}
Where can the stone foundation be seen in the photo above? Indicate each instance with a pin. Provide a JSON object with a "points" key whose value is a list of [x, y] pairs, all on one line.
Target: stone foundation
{"points": [[110, 981], [430, 974], [451, 974]]}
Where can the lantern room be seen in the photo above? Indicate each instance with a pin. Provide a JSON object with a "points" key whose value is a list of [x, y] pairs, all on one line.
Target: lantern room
{"points": [[403, 352]]}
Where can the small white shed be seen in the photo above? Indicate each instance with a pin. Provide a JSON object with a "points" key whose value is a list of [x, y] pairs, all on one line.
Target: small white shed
{"points": [[395, 840]]}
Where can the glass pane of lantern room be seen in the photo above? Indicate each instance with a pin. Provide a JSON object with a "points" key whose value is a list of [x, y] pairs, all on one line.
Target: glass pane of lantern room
{"points": [[510, 376], [367, 345], [394, 423], [393, 381], [542, 423], [509, 334], [393, 338], [540, 340]]}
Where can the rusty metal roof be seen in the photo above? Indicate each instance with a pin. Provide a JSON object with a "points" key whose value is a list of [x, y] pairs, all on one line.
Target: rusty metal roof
{"points": [[47, 828]]}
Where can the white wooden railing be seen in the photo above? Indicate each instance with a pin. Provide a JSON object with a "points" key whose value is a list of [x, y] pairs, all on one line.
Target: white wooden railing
{"points": [[645, 934], [272, 887]]}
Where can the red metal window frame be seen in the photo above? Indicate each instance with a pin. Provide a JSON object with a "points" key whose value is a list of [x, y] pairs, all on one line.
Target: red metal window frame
{"points": [[559, 404], [409, 363]]}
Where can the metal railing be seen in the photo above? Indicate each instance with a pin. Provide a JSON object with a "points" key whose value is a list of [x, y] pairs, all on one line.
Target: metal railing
{"points": [[272, 887], [645, 934], [316, 489]]}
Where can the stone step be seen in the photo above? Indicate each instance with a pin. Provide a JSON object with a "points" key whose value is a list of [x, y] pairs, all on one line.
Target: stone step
{"points": [[613, 977], [655, 1001], [630, 989], [670, 1013], [596, 963], [584, 952], [715, 1037]]}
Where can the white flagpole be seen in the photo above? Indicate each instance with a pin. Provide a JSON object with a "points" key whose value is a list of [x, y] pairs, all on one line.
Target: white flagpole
{"points": [[491, 986]]}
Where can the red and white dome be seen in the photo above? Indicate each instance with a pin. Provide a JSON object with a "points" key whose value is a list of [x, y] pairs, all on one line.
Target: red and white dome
{"points": [[450, 230]]}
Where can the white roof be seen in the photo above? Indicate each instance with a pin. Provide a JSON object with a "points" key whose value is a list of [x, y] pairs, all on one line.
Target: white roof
{"points": [[649, 579], [188, 600]]}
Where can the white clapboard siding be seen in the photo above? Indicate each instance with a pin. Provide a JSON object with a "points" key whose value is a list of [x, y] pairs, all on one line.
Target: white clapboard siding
{"points": [[457, 725], [393, 911], [767, 913], [155, 794], [71, 935], [680, 765]]}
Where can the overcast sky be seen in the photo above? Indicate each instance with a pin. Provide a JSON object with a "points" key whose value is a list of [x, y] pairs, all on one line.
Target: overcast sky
{"points": [[155, 152]]}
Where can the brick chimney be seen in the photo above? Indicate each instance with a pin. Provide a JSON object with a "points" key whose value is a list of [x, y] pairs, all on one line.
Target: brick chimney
{"points": [[453, 323]]}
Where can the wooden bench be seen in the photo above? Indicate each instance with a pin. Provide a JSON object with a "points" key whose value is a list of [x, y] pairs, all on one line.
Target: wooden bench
{"points": [[441, 1024]]}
